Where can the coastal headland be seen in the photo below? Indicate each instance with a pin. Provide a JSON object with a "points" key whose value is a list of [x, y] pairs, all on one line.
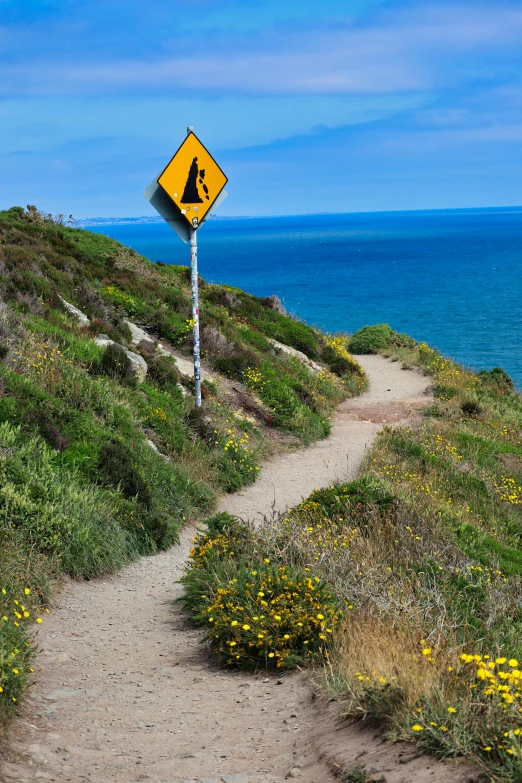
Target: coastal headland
{"points": [[355, 574]]}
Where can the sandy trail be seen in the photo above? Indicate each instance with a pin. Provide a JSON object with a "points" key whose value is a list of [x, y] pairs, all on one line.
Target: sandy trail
{"points": [[126, 691], [394, 394]]}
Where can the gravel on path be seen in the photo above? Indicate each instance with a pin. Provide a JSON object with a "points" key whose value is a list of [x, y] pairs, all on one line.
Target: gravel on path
{"points": [[126, 691]]}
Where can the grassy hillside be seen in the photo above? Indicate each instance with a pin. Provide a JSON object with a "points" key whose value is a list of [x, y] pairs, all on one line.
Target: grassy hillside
{"points": [[407, 582], [97, 468]]}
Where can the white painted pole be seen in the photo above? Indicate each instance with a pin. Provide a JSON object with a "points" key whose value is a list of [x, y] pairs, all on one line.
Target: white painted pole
{"points": [[195, 306], [195, 313]]}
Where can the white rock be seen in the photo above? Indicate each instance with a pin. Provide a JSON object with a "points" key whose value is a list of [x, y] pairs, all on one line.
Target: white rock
{"points": [[302, 357], [80, 317], [138, 334], [104, 341], [184, 366], [158, 452], [162, 350], [139, 365]]}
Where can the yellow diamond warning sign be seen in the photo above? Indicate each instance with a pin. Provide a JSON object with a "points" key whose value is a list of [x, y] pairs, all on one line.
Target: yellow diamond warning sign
{"points": [[193, 180]]}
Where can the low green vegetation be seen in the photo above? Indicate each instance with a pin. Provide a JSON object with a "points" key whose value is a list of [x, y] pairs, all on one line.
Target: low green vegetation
{"points": [[358, 775], [423, 555], [98, 468], [432, 647], [372, 339]]}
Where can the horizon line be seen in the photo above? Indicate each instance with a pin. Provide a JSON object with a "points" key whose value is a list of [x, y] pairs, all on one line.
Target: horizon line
{"points": [[158, 218]]}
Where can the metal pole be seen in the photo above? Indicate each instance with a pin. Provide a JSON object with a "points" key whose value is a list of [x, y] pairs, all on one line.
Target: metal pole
{"points": [[195, 313], [195, 306]]}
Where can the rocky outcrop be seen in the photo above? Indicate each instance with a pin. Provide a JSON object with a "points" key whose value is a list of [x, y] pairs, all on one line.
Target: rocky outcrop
{"points": [[142, 338], [155, 448], [275, 304], [302, 357], [138, 363], [139, 335], [184, 366], [80, 317]]}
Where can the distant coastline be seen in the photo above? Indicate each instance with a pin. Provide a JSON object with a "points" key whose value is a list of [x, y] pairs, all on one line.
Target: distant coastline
{"points": [[144, 219], [132, 221]]}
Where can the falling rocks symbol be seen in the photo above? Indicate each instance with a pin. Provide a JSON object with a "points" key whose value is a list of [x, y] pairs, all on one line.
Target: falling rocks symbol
{"points": [[191, 192], [191, 183]]}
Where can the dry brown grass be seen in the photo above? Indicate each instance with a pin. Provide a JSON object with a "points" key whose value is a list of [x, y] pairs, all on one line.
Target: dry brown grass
{"points": [[376, 654]]}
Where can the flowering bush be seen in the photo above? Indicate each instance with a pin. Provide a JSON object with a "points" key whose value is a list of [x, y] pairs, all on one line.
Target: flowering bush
{"points": [[257, 612], [236, 461], [477, 712], [130, 304], [343, 364], [16, 649]]}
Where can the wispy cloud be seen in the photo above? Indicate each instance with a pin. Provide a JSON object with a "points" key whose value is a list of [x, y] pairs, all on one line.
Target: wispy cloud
{"points": [[394, 52], [412, 103]]}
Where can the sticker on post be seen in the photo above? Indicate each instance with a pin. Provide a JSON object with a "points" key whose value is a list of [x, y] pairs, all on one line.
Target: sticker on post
{"points": [[194, 222]]}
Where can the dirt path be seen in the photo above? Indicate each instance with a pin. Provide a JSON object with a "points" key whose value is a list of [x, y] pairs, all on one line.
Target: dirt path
{"points": [[126, 692], [394, 395]]}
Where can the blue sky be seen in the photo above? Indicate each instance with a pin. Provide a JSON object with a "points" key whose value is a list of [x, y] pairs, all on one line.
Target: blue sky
{"points": [[350, 105]]}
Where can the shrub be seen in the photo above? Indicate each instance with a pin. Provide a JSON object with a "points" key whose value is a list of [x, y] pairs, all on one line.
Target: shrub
{"points": [[45, 417], [17, 650], [370, 339], [236, 463], [236, 362], [162, 370], [117, 469], [337, 364], [471, 408], [433, 411], [444, 391], [116, 364], [357, 495], [335, 354], [282, 392], [401, 340], [257, 612], [297, 335], [275, 325], [232, 455], [132, 305], [51, 510], [498, 379]]}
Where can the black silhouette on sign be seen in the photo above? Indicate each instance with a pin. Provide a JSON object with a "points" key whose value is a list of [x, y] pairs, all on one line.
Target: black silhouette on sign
{"points": [[191, 194], [201, 178]]}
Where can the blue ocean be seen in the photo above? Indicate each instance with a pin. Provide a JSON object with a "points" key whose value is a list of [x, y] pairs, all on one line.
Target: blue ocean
{"points": [[451, 278]]}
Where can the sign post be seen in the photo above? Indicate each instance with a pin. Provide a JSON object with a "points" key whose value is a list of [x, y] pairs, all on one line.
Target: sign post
{"points": [[183, 194], [195, 313]]}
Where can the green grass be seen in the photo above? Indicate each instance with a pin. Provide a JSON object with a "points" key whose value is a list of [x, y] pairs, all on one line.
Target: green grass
{"points": [[358, 775]]}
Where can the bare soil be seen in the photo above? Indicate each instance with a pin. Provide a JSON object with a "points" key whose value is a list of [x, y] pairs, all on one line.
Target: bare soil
{"points": [[126, 691]]}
